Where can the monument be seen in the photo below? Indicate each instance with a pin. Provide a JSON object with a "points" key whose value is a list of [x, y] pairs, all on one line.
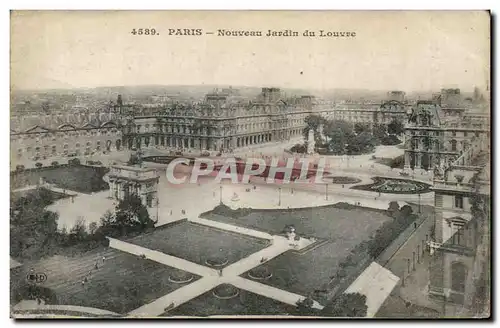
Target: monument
{"points": [[142, 182], [310, 142]]}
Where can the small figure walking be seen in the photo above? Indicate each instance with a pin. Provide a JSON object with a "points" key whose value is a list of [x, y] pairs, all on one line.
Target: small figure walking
{"points": [[38, 300], [83, 283], [96, 266], [220, 273], [103, 259], [170, 212]]}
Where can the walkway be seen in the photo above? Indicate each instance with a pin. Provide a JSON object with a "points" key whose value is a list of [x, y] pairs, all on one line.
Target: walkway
{"points": [[278, 247], [177, 297], [269, 291], [210, 277], [162, 258], [33, 306], [230, 227]]}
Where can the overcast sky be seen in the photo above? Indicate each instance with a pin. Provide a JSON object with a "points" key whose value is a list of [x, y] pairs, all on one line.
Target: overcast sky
{"points": [[392, 50]]}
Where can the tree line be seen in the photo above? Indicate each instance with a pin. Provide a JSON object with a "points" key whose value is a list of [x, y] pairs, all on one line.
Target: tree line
{"points": [[339, 137], [34, 231]]}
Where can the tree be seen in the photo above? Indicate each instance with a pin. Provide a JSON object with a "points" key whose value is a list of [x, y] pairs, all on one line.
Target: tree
{"points": [[347, 305], [55, 163], [32, 228], [19, 168], [313, 122], [38, 164], [93, 228], [362, 127], [337, 142], [393, 209], [74, 161], [79, 232], [379, 132], [396, 127], [362, 143], [130, 216]]}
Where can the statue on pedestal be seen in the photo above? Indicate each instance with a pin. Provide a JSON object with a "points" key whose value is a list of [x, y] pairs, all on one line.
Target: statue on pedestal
{"points": [[310, 142]]}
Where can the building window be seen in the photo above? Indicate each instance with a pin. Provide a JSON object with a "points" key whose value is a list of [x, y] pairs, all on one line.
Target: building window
{"points": [[458, 234], [453, 145], [458, 277], [459, 201]]}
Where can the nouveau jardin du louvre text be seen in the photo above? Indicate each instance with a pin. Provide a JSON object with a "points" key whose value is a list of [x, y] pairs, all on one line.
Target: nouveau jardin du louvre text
{"points": [[262, 33], [286, 33]]}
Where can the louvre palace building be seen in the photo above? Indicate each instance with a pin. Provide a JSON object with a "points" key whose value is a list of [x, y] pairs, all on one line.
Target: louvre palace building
{"points": [[224, 121]]}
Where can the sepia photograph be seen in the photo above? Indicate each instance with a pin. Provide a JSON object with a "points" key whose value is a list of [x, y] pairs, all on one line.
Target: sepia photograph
{"points": [[250, 164]]}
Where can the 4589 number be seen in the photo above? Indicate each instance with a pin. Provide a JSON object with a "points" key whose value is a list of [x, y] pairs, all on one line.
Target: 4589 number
{"points": [[144, 31]]}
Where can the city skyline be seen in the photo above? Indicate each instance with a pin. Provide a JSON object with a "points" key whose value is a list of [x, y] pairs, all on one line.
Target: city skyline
{"points": [[410, 51]]}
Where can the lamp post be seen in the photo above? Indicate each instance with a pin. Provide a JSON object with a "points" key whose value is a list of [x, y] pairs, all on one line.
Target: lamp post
{"points": [[220, 195], [419, 207], [279, 196], [157, 208]]}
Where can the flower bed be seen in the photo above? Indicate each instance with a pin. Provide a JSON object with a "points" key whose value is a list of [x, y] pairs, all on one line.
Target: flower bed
{"points": [[342, 180], [395, 186], [217, 261], [260, 273], [225, 291]]}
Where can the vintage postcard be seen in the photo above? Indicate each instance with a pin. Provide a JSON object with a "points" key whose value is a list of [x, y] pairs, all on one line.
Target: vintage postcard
{"points": [[278, 164]]}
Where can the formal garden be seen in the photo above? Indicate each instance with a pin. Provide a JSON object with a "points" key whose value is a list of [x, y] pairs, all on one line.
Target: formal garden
{"points": [[106, 279], [237, 302], [200, 244], [348, 238], [395, 186]]}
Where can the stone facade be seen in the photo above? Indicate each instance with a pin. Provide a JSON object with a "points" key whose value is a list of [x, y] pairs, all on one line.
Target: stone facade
{"points": [[461, 241], [63, 135], [436, 136], [218, 123]]}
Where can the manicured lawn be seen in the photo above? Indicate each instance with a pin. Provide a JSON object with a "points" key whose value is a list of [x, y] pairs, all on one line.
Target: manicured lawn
{"points": [[121, 284], [246, 303], [343, 228], [197, 243], [79, 178]]}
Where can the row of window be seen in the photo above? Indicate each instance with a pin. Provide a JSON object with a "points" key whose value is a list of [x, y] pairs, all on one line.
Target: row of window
{"points": [[83, 133], [53, 148]]}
